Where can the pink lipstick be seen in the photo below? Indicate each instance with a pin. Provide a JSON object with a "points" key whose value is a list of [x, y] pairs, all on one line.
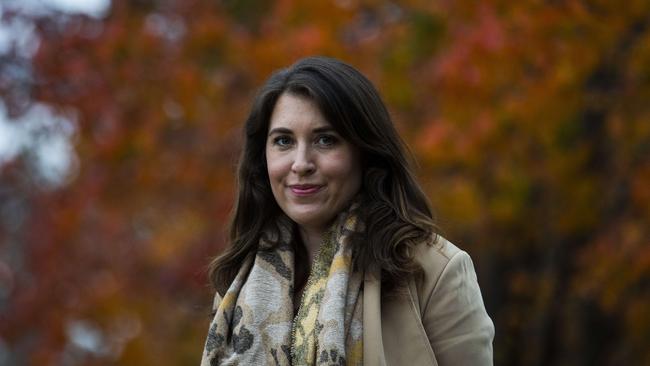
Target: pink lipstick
{"points": [[304, 189]]}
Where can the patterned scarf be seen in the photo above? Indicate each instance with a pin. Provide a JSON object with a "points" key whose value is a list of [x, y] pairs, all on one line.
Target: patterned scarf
{"points": [[254, 324]]}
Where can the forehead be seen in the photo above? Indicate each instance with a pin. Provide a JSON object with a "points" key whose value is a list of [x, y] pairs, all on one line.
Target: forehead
{"points": [[295, 112]]}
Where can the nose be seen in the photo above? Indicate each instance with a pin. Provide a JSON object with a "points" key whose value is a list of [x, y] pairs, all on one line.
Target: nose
{"points": [[303, 163]]}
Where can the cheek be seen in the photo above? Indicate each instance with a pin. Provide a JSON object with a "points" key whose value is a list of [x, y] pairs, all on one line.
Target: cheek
{"points": [[343, 167], [275, 168]]}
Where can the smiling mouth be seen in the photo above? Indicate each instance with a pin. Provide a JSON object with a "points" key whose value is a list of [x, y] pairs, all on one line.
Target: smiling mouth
{"points": [[305, 189]]}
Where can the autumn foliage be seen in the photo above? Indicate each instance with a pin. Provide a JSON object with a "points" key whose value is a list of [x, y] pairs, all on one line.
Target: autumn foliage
{"points": [[530, 121]]}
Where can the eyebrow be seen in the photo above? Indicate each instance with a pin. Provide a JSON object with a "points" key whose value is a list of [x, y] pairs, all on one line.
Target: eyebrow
{"points": [[284, 130]]}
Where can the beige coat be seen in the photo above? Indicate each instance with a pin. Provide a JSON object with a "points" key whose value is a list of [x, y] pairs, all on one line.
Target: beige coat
{"points": [[441, 320]]}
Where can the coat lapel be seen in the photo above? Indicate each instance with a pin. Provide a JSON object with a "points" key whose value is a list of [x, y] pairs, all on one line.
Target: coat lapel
{"points": [[373, 348], [393, 333]]}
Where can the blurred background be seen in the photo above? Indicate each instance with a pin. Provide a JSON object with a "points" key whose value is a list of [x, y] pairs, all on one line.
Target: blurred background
{"points": [[120, 128]]}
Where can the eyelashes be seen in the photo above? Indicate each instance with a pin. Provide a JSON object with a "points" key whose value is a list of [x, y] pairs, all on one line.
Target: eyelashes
{"points": [[327, 140], [322, 140], [282, 141]]}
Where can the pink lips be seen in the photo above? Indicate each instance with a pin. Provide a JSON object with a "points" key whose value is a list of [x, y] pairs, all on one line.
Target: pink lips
{"points": [[304, 189]]}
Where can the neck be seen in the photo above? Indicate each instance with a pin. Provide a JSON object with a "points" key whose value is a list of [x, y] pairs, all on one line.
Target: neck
{"points": [[312, 238]]}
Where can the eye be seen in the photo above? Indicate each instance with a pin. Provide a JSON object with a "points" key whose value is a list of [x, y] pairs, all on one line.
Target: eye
{"points": [[326, 140], [282, 141]]}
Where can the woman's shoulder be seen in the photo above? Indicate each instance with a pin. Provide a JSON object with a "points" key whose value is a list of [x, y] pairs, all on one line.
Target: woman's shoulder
{"points": [[441, 262], [451, 306], [435, 255]]}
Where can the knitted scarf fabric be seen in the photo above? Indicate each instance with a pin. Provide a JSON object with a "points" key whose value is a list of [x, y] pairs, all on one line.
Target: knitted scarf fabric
{"points": [[254, 323]]}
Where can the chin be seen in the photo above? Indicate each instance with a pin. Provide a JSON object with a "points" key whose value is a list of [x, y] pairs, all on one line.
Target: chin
{"points": [[308, 219], [304, 214]]}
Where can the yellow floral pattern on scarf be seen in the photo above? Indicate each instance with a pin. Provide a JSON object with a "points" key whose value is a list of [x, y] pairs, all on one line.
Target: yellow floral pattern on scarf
{"points": [[330, 283]]}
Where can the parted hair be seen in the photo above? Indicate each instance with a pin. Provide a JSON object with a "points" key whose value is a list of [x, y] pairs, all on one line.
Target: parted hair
{"points": [[396, 212]]}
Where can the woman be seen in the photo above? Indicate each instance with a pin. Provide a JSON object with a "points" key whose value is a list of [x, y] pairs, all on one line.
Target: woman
{"points": [[333, 257]]}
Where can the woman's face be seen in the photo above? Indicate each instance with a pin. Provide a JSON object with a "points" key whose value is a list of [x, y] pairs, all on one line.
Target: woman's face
{"points": [[313, 171]]}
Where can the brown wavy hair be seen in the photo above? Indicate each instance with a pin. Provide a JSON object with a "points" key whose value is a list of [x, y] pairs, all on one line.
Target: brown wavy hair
{"points": [[395, 210]]}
